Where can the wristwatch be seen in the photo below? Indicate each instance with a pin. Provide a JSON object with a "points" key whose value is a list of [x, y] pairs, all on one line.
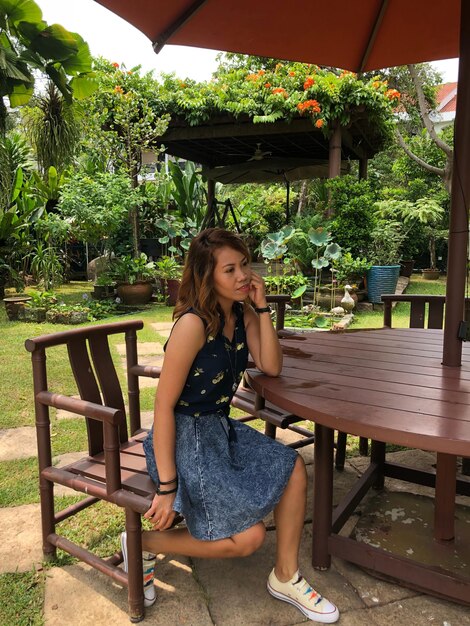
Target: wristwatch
{"points": [[264, 309]]}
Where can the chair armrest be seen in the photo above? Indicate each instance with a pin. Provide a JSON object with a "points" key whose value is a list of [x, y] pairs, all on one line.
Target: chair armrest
{"points": [[81, 407], [151, 371]]}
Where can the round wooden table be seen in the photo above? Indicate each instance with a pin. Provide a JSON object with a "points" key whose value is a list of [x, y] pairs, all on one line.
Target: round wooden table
{"points": [[388, 385]]}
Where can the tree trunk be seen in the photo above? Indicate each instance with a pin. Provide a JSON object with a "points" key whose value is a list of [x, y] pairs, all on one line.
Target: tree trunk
{"points": [[302, 198], [432, 251]]}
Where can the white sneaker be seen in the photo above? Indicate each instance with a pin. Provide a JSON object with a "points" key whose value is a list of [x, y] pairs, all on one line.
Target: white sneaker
{"points": [[148, 563], [298, 592]]}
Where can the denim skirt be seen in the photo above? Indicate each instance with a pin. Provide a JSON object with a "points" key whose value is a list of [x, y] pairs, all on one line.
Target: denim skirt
{"points": [[229, 475]]}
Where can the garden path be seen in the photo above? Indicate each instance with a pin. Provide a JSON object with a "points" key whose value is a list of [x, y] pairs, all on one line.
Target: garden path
{"points": [[208, 592]]}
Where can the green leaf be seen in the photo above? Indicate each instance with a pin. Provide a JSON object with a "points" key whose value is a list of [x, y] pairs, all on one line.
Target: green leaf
{"points": [[21, 94], [299, 292], [20, 11], [320, 321], [55, 43], [332, 251], [83, 86], [320, 263], [319, 236], [81, 62]]}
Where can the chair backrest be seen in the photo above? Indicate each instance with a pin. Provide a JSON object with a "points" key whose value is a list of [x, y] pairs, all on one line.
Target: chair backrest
{"points": [[96, 377], [419, 303]]}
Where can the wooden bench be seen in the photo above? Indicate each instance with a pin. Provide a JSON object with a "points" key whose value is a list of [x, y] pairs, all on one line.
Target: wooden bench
{"points": [[114, 468]]}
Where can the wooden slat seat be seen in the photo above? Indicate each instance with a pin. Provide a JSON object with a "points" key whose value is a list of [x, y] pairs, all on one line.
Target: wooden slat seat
{"points": [[113, 469]]}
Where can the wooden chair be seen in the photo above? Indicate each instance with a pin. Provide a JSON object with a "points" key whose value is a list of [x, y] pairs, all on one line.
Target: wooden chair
{"points": [[114, 468], [426, 311]]}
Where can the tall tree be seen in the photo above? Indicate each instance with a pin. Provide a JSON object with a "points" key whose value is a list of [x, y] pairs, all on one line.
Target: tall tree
{"points": [[419, 99], [27, 43]]}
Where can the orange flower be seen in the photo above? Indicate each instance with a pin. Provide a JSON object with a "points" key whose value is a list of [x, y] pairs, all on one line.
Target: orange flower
{"points": [[281, 91], [252, 77], [115, 64], [267, 85], [129, 72], [261, 72], [392, 94], [300, 106], [319, 123], [308, 83], [376, 84], [309, 105], [183, 85], [292, 74], [118, 89], [278, 66]]}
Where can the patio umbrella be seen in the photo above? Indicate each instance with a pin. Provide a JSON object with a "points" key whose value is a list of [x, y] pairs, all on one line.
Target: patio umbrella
{"points": [[358, 36]]}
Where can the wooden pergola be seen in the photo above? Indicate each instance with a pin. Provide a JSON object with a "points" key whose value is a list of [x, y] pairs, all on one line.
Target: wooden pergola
{"points": [[296, 149]]}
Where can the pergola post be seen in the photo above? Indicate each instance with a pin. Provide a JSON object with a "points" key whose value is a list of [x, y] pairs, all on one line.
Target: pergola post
{"points": [[363, 163], [334, 161], [210, 192]]}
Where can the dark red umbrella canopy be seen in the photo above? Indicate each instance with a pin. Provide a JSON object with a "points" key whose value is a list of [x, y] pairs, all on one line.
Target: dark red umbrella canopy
{"points": [[356, 35]]}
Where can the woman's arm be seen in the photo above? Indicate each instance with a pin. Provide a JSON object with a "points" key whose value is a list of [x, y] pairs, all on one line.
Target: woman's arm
{"points": [[261, 335], [185, 342]]}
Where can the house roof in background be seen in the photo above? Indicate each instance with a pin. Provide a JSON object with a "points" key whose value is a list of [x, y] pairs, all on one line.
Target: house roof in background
{"points": [[447, 98]]}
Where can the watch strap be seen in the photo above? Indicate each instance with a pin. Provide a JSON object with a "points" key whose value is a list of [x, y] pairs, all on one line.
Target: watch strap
{"points": [[264, 309]]}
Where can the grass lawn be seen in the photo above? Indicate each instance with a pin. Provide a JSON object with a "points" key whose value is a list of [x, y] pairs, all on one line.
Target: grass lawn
{"points": [[21, 594]]}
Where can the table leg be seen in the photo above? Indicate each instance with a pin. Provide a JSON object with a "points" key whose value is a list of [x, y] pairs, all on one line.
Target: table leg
{"points": [[322, 496], [444, 506]]}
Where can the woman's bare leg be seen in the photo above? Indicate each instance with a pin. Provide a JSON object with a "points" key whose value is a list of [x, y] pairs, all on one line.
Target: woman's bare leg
{"points": [[179, 541], [289, 516]]}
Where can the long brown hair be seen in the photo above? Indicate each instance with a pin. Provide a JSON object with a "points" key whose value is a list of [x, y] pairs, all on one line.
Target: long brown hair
{"points": [[197, 284]]}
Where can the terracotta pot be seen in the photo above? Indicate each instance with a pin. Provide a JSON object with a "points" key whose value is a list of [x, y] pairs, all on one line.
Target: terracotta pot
{"points": [[138, 293], [431, 274], [13, 304]]}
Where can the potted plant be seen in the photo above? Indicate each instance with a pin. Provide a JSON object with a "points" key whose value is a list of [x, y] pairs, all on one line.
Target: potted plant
{"points": [[168, 270], [36, 308], [104, 286], [384, 256], [134, 276]]}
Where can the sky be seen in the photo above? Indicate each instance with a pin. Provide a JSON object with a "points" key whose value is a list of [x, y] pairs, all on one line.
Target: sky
{"points": [[116, 40]]}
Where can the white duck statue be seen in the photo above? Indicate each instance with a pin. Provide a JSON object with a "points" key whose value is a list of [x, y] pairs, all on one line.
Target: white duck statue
{"points": [[347, 302]]}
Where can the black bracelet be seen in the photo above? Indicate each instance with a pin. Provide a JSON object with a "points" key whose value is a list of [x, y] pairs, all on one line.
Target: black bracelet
{"points": [[264, 309], [168, 482], [164, 493]]}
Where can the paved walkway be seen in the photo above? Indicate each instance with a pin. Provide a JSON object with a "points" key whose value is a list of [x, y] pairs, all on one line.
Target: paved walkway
{"points": [[196, 592]]}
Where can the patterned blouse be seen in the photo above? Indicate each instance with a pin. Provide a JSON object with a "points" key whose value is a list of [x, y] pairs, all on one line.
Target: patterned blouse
{"points": [[216, 371]]}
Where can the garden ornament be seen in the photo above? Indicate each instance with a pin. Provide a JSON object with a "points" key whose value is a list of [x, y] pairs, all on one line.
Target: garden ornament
{"points": [[347, 301]]}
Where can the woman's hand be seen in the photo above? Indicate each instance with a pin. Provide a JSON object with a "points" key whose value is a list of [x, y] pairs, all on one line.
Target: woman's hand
{"points": [[257, 290], [160, 513]]}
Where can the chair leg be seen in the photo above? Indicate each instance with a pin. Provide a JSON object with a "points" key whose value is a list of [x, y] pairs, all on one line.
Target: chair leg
{"points": [[46, 489], [363, 446], [135, 590], [340, 456], [270, 430]]}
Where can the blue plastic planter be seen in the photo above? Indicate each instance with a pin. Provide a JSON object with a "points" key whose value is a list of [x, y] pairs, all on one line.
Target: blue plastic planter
{"points": [[381, 279]]}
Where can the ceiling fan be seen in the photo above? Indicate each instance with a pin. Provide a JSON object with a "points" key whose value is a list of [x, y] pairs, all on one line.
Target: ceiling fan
{"points": [[258, 154]]}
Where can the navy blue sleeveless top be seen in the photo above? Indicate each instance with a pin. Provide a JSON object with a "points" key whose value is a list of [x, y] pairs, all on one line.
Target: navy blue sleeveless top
{"points": [[216, 371]]}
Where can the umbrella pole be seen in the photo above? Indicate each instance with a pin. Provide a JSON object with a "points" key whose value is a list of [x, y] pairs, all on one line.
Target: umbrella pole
{"points": [[460, 196]]}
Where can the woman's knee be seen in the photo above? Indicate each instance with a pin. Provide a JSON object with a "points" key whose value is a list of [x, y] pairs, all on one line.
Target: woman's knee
{"points": [[249, 541], [299, 474]]}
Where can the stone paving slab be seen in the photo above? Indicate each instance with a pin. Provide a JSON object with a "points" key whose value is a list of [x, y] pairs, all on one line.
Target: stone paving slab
{"points": [[18, 443], [77, 595], [20, 538]]}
